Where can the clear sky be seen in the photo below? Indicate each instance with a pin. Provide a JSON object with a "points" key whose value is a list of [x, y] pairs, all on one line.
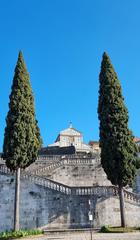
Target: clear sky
{"points": [[62, 43]]}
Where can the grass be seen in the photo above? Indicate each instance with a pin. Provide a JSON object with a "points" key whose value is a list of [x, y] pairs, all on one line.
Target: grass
{"points": [[109, 229], [19, 234]]}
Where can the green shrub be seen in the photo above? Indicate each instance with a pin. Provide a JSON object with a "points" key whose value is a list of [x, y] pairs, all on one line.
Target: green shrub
{"points": [[105, 229], [108, 229], [21, 233], [137, 228]]}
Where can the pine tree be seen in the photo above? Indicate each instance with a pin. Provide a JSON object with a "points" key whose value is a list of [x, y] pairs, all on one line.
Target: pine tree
{"points": [[118, 150], [22, 136]]}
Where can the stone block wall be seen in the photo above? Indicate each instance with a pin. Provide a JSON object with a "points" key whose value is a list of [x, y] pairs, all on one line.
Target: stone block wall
{"points": [[136, 185], [82, 175], [43, 207], [74, 172], [108, 211]]}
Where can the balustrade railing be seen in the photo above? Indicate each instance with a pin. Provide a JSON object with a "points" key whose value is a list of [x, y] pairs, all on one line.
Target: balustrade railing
{"points": [[47, 168], [106, 191], [71, 156], [40, 181], [64, 161], [58, 157]]}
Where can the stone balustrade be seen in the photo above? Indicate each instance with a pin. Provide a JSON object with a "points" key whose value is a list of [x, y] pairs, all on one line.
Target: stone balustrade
{"points": [[132, 196], [58, 157], [71, 156], [82, 161], [64, 161], [39, 180], [106, 191], [47, 168], [54, 161]]}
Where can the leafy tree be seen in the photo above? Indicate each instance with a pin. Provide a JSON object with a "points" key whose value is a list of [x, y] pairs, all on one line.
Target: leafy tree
{"points": [[22, 136], [118, 150]]}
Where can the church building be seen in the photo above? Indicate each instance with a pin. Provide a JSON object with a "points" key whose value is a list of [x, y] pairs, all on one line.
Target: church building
{"points": [[71, 137]]}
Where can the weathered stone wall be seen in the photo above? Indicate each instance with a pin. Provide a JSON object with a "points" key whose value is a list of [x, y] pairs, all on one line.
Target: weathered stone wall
{"points": [[136, 185], [108, 211], [73, 171], [79, 175], [40, 206]]}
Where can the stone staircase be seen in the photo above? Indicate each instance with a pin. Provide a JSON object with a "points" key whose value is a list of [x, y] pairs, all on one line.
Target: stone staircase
{"points": [[104, 191], [43, 165], [43, 161]]}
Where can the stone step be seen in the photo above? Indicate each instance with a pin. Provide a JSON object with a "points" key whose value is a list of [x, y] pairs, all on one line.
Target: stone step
{"points": [[69, 230]]}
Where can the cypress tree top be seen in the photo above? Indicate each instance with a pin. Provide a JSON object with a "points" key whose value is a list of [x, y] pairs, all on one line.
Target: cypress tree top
{"points": [[118, 151], [22, 136]]}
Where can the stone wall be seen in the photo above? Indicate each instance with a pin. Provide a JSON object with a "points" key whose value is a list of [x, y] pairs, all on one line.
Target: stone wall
{"points": [[136, 185], [109, 213], [74, 171], [79, 175], [40, 206]]}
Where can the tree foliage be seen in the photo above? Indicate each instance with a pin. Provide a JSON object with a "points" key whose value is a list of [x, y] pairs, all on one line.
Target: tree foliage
{"points": [[118, 150], [22, 136]]}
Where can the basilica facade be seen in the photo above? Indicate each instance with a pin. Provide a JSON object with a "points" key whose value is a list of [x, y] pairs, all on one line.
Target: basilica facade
{"points": [[73, 137]]}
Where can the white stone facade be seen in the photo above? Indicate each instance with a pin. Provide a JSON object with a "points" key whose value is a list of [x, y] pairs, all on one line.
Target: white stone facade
{"points": [[71, 137]]}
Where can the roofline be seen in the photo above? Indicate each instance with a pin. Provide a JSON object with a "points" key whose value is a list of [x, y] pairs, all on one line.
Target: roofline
{"points": [[73, 129], [68, 134]]}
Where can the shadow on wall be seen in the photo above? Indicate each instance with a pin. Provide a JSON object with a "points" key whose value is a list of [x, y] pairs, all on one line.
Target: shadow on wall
{"points": [[40, 206], [64, 211]]}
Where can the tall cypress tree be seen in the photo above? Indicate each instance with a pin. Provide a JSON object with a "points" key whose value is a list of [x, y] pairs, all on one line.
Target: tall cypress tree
{"points": [[118, 150], [22, 136]]}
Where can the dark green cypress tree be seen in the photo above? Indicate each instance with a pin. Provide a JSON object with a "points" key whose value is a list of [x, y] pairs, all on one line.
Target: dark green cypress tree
{"points": [[22, 136], [118, 150]]}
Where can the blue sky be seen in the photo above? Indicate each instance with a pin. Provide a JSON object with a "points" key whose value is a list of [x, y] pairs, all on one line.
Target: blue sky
{"points": [[62, 43]]}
